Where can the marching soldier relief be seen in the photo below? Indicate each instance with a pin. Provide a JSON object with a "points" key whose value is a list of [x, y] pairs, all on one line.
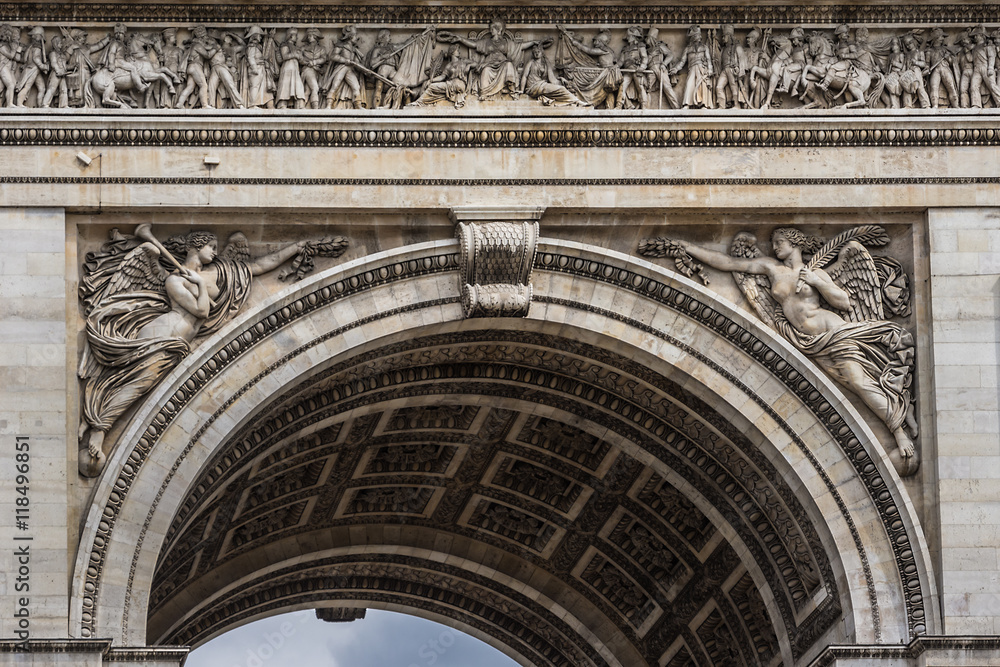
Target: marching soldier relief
{"points": [[372, 67]]}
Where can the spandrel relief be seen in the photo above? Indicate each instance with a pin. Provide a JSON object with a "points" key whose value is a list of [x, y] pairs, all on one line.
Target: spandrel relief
{"points": [[147, 304], [354, 66], [833, 301]]}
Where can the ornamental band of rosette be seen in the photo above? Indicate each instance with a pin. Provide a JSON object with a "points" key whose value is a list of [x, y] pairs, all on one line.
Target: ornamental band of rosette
{"points": [[497, 256]]}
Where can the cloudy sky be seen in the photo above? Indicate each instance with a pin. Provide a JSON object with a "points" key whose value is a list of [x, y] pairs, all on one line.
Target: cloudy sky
{"points": [[381, 639]]}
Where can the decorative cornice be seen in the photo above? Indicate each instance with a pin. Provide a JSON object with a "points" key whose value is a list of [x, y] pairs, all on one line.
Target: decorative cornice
{"points": [[914, 649], [723, 130], [495, 182], [480, 13], [143, 654], [99, 646]]}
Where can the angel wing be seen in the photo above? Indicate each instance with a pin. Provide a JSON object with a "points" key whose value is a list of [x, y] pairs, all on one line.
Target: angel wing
{"points": [[756, 288], [855, 272], [139, 271], [237, 248], [121, 265]]}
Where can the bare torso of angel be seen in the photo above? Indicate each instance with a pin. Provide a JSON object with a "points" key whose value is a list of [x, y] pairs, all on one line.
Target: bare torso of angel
{"points": [[142, 319], [866, 353]]}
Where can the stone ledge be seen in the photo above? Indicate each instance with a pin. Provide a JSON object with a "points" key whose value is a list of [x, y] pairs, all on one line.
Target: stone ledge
{"points": [[423, 128], [55, 646], [924, 647]]}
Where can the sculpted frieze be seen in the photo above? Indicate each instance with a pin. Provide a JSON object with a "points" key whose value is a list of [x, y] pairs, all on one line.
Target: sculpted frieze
{"points": [[361, 66], [833, 301], [147, 304]]}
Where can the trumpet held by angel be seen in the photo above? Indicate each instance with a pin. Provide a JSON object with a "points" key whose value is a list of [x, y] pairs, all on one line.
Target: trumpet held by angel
{"points": [[831, 300], [146, 304]]}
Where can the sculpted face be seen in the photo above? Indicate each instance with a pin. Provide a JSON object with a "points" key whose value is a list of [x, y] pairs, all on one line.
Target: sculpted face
{"points": [[496, 29], [782, 247], [207, 252]]}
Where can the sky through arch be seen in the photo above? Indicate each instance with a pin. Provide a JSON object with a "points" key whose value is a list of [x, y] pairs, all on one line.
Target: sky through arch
{"points": [[381, 639]]}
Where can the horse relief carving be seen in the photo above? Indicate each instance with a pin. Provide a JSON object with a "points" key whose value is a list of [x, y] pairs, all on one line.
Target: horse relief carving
{"points": [[621, 67]]}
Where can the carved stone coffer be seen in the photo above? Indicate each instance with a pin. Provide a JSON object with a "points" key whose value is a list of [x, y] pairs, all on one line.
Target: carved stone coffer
{"points": [[498, 253]]}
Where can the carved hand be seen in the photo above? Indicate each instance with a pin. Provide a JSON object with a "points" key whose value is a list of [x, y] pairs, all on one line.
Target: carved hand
{"points": [[192, 276]]}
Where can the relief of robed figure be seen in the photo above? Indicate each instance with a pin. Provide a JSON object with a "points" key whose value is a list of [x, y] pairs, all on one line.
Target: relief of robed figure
{"points": [[147, 303], [831, 300]]}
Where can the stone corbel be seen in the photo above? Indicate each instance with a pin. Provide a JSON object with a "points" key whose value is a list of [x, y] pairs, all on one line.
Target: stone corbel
{"points": [[498, 253]]}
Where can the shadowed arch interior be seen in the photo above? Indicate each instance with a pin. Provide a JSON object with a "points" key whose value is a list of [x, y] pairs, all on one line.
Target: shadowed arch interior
{"points": [[523, 447]]}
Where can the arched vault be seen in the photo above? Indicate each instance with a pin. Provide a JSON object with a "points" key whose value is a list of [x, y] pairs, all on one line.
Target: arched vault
{"points": [[634, 473]]}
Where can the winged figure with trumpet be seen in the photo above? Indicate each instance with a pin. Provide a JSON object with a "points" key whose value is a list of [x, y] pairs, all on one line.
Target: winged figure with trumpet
{"points": [[146, 303]]}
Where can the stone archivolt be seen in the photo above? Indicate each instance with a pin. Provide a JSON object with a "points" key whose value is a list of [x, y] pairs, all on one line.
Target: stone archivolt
{"points": [[762, 64], [529, 447]]}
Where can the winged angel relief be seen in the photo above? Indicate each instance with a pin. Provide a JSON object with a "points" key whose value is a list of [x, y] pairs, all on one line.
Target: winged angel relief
{"points": [[832, 307], [146, 303]]}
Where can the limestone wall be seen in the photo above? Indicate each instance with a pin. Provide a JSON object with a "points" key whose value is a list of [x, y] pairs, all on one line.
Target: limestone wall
{"points": [[965, 300], [35, 372]]}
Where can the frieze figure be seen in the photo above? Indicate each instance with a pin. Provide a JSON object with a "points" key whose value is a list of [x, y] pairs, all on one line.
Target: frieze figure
{"points": [[222, 86], [116, 57], [499, 54], [787, 64], [853, 71], [540, 82], [698, 59], [383, 59], [36, 66], [198, 54], [820, 59], [236, 68], [291, 90], [964, 68], [314, 58], [633, 61], [82, 67], [831, 307], [914, 72], [11, 53], [345, 77], [984, 61], [892, 93], [661, 57], [259, 69], [142, 319], [758, 67], [730, 85], [592, 72], [942, 61], [58, 71], [125, 70], [413, 65], [171, 59], [450, 84]]}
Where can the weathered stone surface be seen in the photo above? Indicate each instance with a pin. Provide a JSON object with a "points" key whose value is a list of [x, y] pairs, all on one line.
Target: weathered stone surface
{"points": [[620, 463]]}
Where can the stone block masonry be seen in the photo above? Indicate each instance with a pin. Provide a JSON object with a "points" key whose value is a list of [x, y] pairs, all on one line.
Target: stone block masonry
{"points": [[33, 425]]}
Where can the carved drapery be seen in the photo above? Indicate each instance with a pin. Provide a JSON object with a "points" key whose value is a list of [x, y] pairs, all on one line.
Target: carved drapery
{"points": [[747, 58]]}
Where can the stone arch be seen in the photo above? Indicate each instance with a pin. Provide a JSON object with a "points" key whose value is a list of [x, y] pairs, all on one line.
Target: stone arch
{"points": [[730, 451]]}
